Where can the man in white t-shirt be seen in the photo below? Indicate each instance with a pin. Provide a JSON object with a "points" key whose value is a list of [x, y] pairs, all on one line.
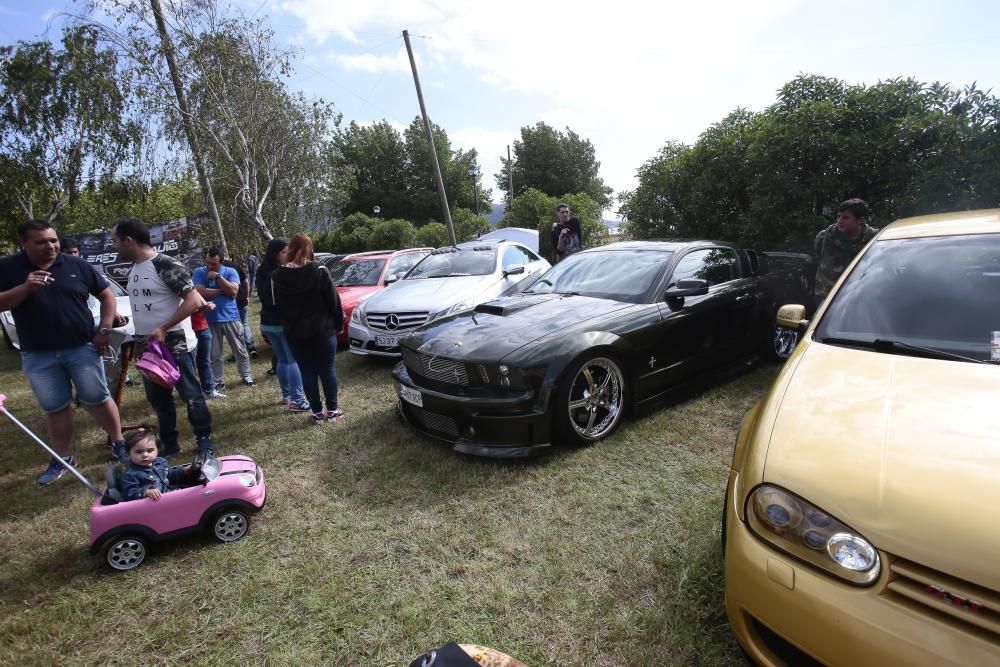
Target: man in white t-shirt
{"points": [[163, 298]]}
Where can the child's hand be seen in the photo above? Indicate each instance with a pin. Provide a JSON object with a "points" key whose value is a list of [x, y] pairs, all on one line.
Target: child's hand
{"points": [[153, 493]]}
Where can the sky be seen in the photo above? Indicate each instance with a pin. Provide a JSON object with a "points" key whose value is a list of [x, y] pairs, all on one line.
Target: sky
{"points": [[627, 75]]}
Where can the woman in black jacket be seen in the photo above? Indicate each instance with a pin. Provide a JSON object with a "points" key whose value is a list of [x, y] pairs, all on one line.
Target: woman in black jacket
{"points": [[289, 378], [311, 316]]}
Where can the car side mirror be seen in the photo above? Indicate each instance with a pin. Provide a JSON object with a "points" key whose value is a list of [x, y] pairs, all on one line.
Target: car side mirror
{"points": [[792, 316], [515, 269], [393, 278], [687, 287]]}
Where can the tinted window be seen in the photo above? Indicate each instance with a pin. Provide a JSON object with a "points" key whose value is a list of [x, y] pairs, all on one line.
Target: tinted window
{"points": [[937, 292], [446, 262], [716, 265], [514, 255], [623, 275], [400, 264], [356, 271]]}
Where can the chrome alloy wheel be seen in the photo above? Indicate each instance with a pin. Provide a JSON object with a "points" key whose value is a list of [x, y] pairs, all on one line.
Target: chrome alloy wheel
{"points": [[785, 340], [231, 526], [596, 398], [126, 553]]}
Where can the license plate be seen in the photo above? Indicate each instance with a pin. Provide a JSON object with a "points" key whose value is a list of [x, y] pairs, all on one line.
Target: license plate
{"points": [[386, 341], [411, 396]]}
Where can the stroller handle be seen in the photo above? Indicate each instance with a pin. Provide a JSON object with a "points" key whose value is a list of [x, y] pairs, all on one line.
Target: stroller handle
{"points": [[76, 473]]}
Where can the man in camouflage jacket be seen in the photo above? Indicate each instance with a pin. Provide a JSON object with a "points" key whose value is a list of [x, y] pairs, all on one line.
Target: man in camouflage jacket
{"points": [[838, 244]]}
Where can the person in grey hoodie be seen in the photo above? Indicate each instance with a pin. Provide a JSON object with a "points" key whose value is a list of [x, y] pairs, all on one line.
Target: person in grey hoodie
{"points": [[311, 316]]}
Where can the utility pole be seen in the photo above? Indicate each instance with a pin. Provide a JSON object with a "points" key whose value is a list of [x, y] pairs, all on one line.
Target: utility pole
{"points": [[510, 178], [199, 160], [435, 167]]}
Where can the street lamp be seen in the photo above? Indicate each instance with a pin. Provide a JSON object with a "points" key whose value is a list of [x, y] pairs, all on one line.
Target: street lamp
{"points": [[474, 172], [376, 210]]}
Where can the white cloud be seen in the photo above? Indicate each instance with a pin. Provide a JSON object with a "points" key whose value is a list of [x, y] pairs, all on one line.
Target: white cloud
{"points": [[369, 62]]}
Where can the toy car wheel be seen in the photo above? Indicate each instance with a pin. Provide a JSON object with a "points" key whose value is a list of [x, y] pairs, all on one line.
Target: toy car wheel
{"points": [[126, 552], [231, 525]]}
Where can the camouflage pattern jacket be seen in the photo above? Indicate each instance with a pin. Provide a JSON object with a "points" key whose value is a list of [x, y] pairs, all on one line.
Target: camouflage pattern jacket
{"points": [[834, 252]]}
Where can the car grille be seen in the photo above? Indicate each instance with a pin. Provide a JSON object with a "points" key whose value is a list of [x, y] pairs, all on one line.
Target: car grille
{"points": [[393, 322], [432, 421], [434, 367], [970, 605]]}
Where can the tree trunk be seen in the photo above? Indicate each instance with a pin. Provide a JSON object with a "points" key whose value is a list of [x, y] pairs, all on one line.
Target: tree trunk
{"points": [[199, 162]]}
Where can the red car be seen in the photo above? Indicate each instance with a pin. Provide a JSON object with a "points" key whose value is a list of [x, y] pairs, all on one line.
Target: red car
{"points": [[362, 274]]}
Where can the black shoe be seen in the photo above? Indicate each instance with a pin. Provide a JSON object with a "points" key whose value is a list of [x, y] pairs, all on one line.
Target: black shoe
{"points": [[248, 381], [271, 371], [252, 353], [206, 447], [219, 386], [170, 451]]}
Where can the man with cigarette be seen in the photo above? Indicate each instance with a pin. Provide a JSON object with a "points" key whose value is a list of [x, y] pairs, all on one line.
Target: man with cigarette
{"points": [[60, 346]]}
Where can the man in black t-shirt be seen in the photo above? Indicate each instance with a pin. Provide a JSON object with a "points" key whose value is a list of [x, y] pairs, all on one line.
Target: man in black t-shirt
{"points": [[60, 348]]}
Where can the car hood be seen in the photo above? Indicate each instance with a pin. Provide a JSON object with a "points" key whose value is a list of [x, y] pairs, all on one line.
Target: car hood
{"points": [[355, 294], [902, 449], [431, 294], [499, 327]]}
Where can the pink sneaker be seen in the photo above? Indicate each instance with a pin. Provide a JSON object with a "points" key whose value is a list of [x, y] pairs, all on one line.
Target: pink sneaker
{"points": [[333, 416]]}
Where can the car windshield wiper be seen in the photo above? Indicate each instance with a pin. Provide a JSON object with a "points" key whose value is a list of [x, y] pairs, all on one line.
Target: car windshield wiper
{"points": [[887, 344], [896, 346]]}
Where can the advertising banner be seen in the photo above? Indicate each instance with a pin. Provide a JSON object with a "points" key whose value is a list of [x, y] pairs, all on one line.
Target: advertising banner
{"points": [[176, 238]]}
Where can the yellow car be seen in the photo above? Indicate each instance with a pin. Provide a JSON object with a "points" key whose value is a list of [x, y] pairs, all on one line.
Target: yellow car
{"points": [[862, 515]]}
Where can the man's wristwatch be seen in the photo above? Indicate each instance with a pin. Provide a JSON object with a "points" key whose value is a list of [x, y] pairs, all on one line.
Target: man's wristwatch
{"points": [[104, 331]]}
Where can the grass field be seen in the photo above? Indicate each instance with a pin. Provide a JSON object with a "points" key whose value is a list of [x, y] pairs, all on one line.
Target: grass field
{"points": [[377, 544]]}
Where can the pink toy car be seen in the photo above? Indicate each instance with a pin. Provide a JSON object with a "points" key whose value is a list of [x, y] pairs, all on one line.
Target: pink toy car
{"points": [[220, 498], [228, 490]]}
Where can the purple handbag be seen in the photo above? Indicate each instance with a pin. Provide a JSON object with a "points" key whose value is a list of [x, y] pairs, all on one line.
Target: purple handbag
{"points": [[157, 364]]}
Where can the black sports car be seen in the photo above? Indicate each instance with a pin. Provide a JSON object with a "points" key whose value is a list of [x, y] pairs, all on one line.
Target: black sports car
{"points": [[604, 332]]}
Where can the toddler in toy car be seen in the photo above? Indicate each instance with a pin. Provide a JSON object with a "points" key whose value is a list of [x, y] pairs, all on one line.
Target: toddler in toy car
{"points": [[148, 475]]}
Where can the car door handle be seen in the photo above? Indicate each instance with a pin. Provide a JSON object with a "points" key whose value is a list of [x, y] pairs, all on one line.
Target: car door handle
{"points": [[744, 298]]}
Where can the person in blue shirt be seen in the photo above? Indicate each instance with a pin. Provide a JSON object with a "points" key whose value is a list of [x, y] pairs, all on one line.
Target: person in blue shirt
{"points": [[148, 475], [220, 284]]}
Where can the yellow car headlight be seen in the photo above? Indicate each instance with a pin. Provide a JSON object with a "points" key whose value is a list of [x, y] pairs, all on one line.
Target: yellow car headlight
{"points": [[804, 531]]}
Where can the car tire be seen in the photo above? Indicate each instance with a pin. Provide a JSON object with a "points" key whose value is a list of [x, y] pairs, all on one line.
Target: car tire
{"points": [[591, 400], [230, 525], [125, 552]]}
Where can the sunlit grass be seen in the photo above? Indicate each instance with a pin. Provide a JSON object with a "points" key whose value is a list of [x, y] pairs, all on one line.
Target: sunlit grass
{"points": [[377, 543]]}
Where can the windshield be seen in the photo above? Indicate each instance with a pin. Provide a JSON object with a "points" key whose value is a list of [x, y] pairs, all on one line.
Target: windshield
{"points": [[941, 293], [349, 272], [447, 262], [623, 275]]}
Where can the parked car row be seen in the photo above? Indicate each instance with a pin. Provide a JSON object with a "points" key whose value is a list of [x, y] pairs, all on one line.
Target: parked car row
{"points": [[860, 514]]}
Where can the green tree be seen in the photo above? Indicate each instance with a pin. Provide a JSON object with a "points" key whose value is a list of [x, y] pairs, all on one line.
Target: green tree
{"points": [[100, 204], [432, 235], [392, 234], [66, 115], [468, 225], [774, 178], [352, 234], [536, 210], [375, 158], [554, 163]]}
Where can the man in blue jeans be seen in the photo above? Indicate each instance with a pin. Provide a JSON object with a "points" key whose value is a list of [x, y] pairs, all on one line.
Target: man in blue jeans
{"points": [[163, 299], [48, 291]]}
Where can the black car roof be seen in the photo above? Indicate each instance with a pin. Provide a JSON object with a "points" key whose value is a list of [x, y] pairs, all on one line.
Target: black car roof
{"points": [[667, 245]]}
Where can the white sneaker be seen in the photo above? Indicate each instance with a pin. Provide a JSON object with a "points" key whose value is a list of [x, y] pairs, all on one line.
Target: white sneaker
{"points": [[215, 393]]}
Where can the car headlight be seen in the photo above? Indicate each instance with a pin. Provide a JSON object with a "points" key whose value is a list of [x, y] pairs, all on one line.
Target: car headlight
{"points": [[247, 480], [501, 376], [801, 529], [356, 314], [457, 308]]}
